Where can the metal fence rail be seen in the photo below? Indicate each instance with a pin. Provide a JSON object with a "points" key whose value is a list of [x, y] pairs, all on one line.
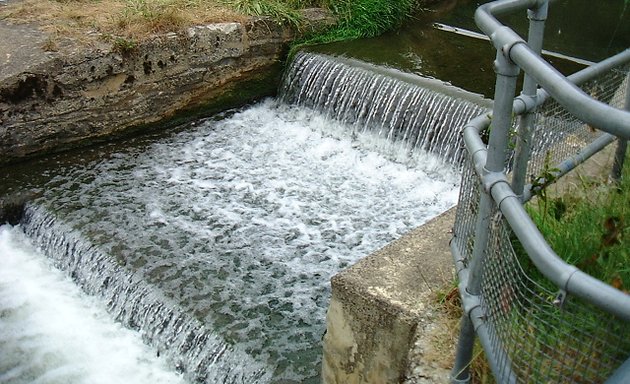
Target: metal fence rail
{"points": [[553, 323]]}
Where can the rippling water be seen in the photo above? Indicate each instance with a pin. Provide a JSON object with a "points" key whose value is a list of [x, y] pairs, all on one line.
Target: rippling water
{"points": [[242, 221], [51, 332]]}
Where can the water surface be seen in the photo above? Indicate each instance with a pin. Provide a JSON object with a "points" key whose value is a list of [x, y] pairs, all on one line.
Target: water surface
{"points": [[242, 220]]}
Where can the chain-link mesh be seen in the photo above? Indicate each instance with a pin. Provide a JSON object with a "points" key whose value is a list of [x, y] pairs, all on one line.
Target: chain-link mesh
{"points": [[540, 335], [558, 135], [467, 209], [547, 338]]}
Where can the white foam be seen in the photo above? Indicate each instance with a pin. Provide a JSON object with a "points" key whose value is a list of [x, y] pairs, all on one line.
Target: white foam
{"points": [[244, 220], [50, 332]]}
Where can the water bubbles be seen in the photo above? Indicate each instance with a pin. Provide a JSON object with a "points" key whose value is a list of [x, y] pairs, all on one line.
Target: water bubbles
{"points": [[240, 223]]}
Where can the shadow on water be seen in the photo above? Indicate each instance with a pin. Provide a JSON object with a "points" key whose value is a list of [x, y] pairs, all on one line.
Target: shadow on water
{"points": [[575, 28]]}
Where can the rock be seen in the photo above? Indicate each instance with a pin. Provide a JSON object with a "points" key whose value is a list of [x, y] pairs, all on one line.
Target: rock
{"points": [[12, 207], [79, 94]]}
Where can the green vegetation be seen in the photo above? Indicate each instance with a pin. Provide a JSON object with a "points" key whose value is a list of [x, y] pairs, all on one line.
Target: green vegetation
{"points": [[135, 19], [589, 229], [560, 340], [449, 302], [124, 46], [364, 18], [356, 18], [282, 11]]}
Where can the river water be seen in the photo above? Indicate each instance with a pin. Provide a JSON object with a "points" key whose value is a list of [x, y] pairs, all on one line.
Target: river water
{"points": [[236, 223], [579, 28], [240, 220], [51, 332]]}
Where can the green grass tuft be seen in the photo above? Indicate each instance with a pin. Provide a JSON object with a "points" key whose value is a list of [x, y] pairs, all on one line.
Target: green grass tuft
{"points": [[591, 230], [279, 10], [363, 18], [368, 18]]}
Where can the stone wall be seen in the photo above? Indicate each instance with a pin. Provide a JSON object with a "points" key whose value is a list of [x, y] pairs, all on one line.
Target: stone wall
{"points": [[51, 101]]}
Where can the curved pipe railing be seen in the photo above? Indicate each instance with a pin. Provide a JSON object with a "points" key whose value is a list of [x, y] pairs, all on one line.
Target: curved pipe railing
{"points": [[513, 54], [565, 276], [605, 117]]}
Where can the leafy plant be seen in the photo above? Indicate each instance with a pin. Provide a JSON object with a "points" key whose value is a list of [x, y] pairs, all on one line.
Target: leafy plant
{"points": [[591, 229], [540, 183], [124, 46]]}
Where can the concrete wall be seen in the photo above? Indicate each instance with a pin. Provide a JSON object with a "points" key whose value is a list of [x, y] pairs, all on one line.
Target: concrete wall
{"points": [[380, 308], [50, 101]]}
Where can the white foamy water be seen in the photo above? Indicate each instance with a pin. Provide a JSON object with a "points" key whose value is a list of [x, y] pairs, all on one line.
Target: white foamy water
{"points": [[51, 332], [242, 221]]}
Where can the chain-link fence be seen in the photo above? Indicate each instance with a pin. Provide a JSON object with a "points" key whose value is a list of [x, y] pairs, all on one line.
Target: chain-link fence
{"points": [[558, 134], [547, 337], [539, 319]]}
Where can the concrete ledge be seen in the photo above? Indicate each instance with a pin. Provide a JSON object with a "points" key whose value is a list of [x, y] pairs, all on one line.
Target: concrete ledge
{"points": [[80, 93], [379, 304]]}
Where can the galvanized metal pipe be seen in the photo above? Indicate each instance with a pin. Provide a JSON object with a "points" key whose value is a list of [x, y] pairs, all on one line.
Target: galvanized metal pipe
{"points": [[598, 114], [497, 358], [463, 354], [621, 375], [578, 103], [489, 163], [563, 275], [571, 163], [622, 146], [505, 88], [526, 122], [523, 103]]}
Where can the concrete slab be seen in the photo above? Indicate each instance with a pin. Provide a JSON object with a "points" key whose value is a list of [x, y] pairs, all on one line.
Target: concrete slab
{"points": [[380, 304]]}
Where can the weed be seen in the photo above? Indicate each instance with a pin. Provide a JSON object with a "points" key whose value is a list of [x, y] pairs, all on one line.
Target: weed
{"points": [[124, 46], [590, 229], [448, 301], [362, 18], [50, 45], [280, 11]]}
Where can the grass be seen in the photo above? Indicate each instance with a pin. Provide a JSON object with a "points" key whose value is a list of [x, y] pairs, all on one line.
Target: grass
{"points": [[590, 228], [130, 19], [364, 18], [133, 20], [449, 303]]}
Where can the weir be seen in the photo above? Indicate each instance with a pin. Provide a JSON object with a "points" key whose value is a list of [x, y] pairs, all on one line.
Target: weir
{"points": [[195, 350], [217, 243], [415, 112]]}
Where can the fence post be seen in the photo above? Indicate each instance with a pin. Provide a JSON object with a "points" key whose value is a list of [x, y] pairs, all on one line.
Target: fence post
{"points": [[622, 145], [526, 122], [505, 89]]}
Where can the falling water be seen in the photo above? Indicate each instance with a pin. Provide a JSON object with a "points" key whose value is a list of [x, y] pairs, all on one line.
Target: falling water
{"points": [[217, 243], [418, 113], [195, 351]]}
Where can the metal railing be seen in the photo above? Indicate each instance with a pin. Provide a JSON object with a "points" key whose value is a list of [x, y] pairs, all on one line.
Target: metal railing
{"points": [[563, 325]]}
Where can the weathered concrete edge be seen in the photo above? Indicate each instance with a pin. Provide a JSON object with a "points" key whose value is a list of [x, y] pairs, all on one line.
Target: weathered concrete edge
{"points": [[53, 101], [381, 330], [379, 304]]}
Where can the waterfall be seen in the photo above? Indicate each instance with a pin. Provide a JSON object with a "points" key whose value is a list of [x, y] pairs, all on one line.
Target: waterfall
{"points": [[217, 243], [195, 351], [418, 113]]}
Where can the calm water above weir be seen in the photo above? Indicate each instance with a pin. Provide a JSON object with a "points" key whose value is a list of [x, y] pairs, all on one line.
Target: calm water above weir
{"points": [[579, 28]]}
